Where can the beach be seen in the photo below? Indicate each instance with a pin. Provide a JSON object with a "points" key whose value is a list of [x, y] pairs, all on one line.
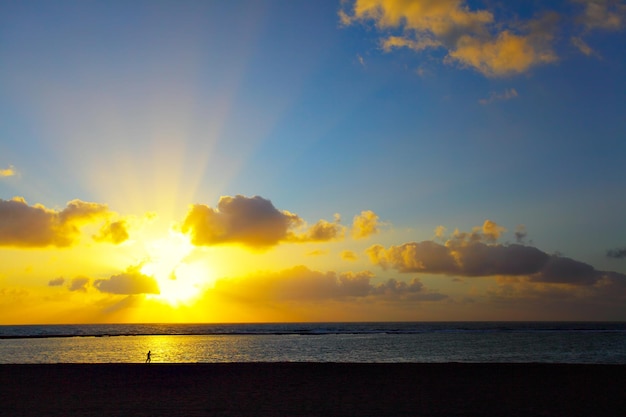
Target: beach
{"points": [[312, 389]]}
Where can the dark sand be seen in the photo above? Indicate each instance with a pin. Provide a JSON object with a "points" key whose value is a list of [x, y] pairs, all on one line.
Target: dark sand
{"points": [[312, 389]]}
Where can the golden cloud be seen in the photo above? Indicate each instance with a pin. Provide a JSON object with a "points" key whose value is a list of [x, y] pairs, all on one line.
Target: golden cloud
{"points": [[348, 255], [8, 172], [322, 231], [251, 221], [37, 226], [114, 232], [130, 282], [472, 38], [365, 224], [256, 223]]}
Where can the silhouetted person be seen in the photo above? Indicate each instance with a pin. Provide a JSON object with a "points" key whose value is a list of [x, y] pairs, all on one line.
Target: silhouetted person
{"points": [[148, 359]]}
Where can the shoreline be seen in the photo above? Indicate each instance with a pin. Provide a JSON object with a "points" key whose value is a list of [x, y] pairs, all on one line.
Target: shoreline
{"points": [[313, 389]]}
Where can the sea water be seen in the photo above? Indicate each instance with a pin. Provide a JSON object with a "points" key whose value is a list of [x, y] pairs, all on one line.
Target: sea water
{"points": [[317, 342]]}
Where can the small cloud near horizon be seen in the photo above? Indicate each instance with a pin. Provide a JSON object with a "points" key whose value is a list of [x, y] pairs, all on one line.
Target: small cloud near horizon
{"points": [[617, 253]]}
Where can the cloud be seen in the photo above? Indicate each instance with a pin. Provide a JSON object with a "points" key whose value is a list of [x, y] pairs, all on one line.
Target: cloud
{"points": [[114, 232], [322, 231], [603, 14], [400, 290], [470, 38], [507, 94], [302, 284], [440, 232], [251, 221], [256, 223], [76, 284], [8, 172], [618, 253], [582, 46], [476, 254], [520, 233], [130, 282], [606, 15], [365, 224], [348, 255], [37, 226], [56, 282], [79, 284]]}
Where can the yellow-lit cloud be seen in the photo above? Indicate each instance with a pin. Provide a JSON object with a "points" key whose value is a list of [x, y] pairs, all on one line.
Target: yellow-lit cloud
{"points": [[114, 232], [251, 221], [471, 38], [322, 231], [37, 226], [365, 224], [256, 223], [348, 255], [302, 284], [132, 281], [79, 284], [7, 172]]}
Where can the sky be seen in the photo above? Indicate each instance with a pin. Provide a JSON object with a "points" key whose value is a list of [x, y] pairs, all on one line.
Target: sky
{"points": [[284, 161]]}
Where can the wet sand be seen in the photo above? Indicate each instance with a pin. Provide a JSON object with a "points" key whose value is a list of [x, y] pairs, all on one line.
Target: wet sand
{"points": [[312, 389]]}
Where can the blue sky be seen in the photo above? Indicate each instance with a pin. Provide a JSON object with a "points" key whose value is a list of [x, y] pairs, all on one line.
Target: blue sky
{"points": [[426, 113]]}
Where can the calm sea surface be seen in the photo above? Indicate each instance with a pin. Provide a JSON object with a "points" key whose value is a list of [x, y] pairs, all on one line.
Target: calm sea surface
{"points": [[317, 342]]}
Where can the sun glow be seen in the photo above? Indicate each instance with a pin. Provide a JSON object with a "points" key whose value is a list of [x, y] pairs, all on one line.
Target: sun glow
{"points": [[180, 280]]}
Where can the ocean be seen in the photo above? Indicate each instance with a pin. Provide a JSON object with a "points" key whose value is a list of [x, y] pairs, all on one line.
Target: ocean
{"points": [[518, 342]]}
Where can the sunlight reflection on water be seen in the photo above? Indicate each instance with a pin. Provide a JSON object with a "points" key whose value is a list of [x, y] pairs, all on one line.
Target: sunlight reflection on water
{"points": [[429, 347]]}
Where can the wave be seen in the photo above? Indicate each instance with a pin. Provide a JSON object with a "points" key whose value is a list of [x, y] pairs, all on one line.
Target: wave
{"points": [[303, 329]]}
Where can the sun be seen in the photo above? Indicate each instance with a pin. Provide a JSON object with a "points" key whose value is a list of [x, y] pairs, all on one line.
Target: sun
{"points": [[180, 279]]}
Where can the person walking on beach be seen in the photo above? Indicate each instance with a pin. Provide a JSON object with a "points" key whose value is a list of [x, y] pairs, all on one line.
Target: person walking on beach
{"points": [[148, 359]]}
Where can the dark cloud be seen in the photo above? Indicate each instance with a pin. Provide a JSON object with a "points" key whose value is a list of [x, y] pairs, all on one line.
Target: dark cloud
{"points": [[79, 284], [37, 226], [469, 255], [424, 256], [618, 253], [56, 282], [413, 290], [561, 270], [130, 282], [251, 221], [520, 233]]}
